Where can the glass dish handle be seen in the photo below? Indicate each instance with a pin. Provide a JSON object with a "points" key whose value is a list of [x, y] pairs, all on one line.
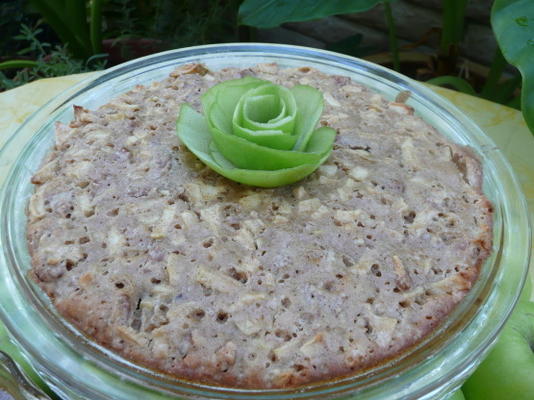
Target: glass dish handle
{"points": [[16, 383]]}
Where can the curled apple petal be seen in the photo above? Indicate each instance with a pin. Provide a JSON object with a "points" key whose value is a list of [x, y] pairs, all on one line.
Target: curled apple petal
{"points": [[268, 107], [258, 133], [310, 105]]}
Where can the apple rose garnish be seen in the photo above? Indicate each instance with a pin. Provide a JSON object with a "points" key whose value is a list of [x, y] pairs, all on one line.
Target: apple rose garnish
{"points": [[258, 133]]}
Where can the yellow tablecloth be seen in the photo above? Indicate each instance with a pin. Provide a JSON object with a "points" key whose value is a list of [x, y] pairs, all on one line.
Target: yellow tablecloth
{"points": [[504, 125]]}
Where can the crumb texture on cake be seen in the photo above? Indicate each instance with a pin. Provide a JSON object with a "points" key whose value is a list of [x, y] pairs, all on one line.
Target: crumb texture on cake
{"points": [[158, 258]]}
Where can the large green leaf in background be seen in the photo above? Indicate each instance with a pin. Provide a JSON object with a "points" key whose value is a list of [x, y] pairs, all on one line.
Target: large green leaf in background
{"points": [[272, 13], [513, 24], [69, 19]]}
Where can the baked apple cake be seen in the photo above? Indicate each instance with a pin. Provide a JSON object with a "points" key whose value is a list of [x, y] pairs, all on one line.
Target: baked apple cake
{"points": [[153, 255]]}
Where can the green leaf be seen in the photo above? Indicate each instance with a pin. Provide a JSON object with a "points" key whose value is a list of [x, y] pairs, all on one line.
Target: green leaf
{"points": [[513, 24], [69, 20], [452, 30], [515, 103], [497, 67], [392, 35], [18, 64], [193, 130], [351, 46], [457, 83], [75, 15], [272, 13], [95, 25], [506, 90], [54, 13]]}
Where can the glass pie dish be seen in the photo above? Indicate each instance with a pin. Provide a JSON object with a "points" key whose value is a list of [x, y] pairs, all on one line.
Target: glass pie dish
{"points": [[77, 368]]}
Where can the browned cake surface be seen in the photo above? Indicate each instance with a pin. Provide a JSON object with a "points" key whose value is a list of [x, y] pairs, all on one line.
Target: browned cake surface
{"points": [[153, 255]]}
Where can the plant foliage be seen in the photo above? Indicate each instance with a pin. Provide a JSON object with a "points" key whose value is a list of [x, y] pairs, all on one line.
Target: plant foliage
{"points": [[77, 28], [272, 13], [177, 24], [47, 61], [513, 24], [12, 15]]}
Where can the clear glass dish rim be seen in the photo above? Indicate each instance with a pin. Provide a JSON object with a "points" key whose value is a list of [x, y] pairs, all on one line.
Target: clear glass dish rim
{"points": [[513, 210]]}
